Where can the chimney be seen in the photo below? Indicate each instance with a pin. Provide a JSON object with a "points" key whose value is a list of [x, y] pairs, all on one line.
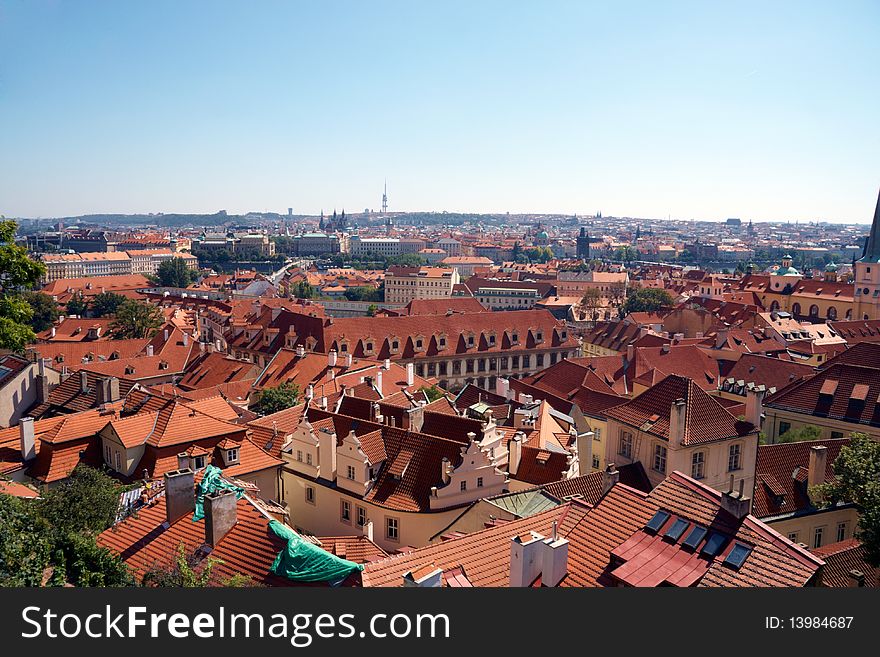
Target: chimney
{"points": [[368, 530], [754, 404], [327, 455], [185, 339], [445, 467], [735, 502], [410, 374], [331, 358], [376, 413], [677, 415], [514, 452], [502, 386], [52, 332], [348, 360], [220, 515], [83, 381], [322, 403], [387, 363], [26, 436], [218, 345], [180, 496], [856, 579], [584, 443], [415, 417], [165, 335], [310, 392], [630, 353], [665, 348], [818, 464], [526, 559], [149, 350], [554, 562], [300, 351], [379, 380], [429, 577], [721, 338], [610, 476]]}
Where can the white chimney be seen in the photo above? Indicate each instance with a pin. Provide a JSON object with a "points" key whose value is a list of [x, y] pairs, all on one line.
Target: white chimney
{"points": [[331, 358], [387, 363], [327, 455], [26, 435], [526, 559], [554, 564], [185, 339], [368, 530], [218, 345], [52, 332], [84, 381], [348, 360], [310, 391], [424, 578], [149, 350], [410, 374], [165, 335], [502, 386], [584, 442], [300, 351], [514, 453], [379, 380], [754, 404], [677, 416]]}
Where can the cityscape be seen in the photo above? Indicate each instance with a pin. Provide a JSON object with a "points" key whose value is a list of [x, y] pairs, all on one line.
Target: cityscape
{"points": [[382, 396]]}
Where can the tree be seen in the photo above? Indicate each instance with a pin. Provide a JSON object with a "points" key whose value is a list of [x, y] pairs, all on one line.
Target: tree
{"points": [[44, 310], [517, 251], [175, 273], [363, 293], [433, 393], [857, 481], [646, 299], [626, 254], [590, 303], [84, 502], [303, 290], [278, 398], [18, 273], [182, 572], [136, 319], [107, 303], [808, 432], [407, 260], [77, 305], [372, 309]]}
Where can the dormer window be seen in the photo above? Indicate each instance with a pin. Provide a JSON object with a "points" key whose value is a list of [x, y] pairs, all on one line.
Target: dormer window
{"points": [[441, 342], [343, 347], [232, 455], [539, 336], [491, 339], [369, 347], [199, 462], [419, 343], [470, 341], [514, 338]]}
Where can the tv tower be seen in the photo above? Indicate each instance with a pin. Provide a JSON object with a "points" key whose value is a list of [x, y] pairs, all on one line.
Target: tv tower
{"points": [[385, 198]]}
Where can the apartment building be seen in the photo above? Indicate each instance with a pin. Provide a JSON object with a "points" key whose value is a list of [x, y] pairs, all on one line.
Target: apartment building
{"points": [[405, 284]]}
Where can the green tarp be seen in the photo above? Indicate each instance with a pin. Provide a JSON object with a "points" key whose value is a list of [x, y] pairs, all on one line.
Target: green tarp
{"points": [[211, 483], [302, 561]]}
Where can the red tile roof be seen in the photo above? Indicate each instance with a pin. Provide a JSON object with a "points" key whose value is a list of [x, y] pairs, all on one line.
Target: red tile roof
{"points": [[705, 419], [841, 559]]}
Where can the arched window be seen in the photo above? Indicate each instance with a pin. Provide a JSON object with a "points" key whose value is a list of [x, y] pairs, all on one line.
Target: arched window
{"points": [[849, 314], [832, 313], [814, 310], [774, 306], [796, 309]]}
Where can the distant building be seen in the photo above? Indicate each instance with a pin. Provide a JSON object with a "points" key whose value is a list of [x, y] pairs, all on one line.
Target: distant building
{"points": [[404, 284], [583, 245]]}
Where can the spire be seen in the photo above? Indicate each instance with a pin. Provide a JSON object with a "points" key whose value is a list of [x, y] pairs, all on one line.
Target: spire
{"points": [[872, 246]]}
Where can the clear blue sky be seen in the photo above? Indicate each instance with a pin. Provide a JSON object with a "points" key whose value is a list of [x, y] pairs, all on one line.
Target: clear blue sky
{"points": [[762, 110]]}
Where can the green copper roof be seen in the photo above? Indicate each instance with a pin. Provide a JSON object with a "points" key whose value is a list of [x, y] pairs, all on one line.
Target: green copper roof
{"points": [[786, 271]]}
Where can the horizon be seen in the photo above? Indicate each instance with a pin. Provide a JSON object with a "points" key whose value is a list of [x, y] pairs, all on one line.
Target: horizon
{"points": [[686, 112]]}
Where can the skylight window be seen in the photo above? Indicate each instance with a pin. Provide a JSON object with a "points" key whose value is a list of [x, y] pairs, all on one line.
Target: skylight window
{"points": [[693, 539], [655, 523], [678, 528], [713, 544], [737, 556]]}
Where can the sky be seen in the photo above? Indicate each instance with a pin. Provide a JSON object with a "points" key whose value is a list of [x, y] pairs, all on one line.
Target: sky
{"points": [[692, 110]]}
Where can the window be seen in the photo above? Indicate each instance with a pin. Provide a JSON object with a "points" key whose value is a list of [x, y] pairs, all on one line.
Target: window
{"points": [[463, 486], [107, 455], [817, 537], [118, 463], [626, 444], [470, 341], [310, 495], [232, 455], [595, 462], [836, 434], [419, 343], [442, 343], [299, 455], [308, 459], [734, 458], [392, 529], [784, 427], [350, 472], [345, 511], [369, 346], [841, 531], [698, 465], [479, 482], [793, 537], [660, 458], [361, 516], [395, 345], [597, 433], [199, 462]]}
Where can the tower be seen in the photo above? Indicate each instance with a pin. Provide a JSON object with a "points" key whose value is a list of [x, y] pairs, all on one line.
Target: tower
{"points": [[866, 295], [583, 245], [385, 198]]}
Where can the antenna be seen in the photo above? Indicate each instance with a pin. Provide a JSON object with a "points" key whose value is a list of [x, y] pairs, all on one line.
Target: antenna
{"points": [[385, 198]]}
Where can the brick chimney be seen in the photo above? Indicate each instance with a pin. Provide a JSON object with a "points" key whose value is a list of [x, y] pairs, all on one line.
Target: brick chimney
{"points": [[735, 502], [220, 515], [818, 464], [677, 416], [180, 496]]}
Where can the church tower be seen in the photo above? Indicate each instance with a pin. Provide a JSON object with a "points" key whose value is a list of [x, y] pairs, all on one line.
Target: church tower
{"points": [[866, 295]]}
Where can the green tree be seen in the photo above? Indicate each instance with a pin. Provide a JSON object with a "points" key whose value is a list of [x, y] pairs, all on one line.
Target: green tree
{"points": [[77, 305], [808, 432], [516, 252], [433, 393], [646, 299], [18, 273], [590, 303], [857, 481], [84, 502], [372, 309], [44, 310], [303, 290], [407, 260], [136, 319], [182, 572], [363, 293], [175, 273], [278, 398], [107, 303]]}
